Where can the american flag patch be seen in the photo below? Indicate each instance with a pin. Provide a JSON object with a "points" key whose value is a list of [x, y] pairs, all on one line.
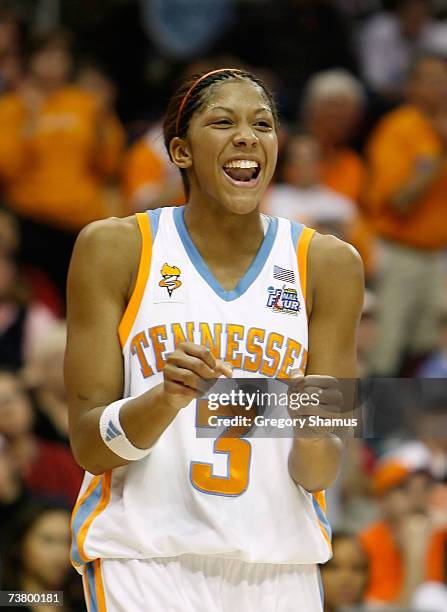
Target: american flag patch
{"points": [[283, 275]]}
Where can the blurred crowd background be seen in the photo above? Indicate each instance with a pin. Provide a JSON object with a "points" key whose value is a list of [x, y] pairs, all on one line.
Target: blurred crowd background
{"points": [[362, 91]]}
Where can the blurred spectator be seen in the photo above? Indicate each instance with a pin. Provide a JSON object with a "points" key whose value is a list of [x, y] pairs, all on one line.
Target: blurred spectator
{"points": [[344, 576], [301, 196], [435, 365], [407, 187], [46, 467], [404, 547], [388, 42], [150, 179], [11, 49], [37, 555], [56, 153], [13, 493], [9, 233], [332, 108], [21, 319], [45, 379]]}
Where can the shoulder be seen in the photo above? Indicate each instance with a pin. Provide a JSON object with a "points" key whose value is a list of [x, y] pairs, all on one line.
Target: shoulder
{"points": [[335, 272], [109, 236], [329, 254], [110, 249]]}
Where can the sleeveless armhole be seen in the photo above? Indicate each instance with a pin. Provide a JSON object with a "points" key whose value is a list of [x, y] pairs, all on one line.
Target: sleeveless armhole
{"points": [[131, 311]]}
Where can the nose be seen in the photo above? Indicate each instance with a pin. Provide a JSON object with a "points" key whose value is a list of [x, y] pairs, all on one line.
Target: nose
{"points": [[246, 137]]}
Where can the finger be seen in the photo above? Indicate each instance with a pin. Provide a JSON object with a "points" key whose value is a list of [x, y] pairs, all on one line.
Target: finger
{"points": [[323, 382], [196, 365], [178, 388], [222, 367], [196, 350], [183, 376]]}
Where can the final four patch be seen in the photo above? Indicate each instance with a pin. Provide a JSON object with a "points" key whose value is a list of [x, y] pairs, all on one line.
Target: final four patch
{"points": [[283, 300]]}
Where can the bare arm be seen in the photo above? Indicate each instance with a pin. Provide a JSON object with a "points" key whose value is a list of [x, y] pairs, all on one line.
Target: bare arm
{"points": [[335, 301], [100, 282]]}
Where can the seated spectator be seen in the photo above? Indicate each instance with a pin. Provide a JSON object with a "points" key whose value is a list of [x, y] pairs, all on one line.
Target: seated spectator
{"points": [[301, 196], [404, 547], [333, 106], [435, 365], [45, 379], [13, 494], [389, 40], [150, 179], [47, 468], [406, 197], [36, 559], [345, 576], [21, 318], [57, 153]]}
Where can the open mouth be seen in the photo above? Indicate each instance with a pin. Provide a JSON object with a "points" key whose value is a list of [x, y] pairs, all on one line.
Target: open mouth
{"points": [[242, 172]]}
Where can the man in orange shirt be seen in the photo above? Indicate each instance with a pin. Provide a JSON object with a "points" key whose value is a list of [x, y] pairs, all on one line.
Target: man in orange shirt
{"points": [[58, 149], [403, 547], [407, 195]]}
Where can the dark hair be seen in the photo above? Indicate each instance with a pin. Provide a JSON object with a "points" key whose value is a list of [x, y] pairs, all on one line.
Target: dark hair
{"points": [[43, 40], [190, 97], [17, 533]]}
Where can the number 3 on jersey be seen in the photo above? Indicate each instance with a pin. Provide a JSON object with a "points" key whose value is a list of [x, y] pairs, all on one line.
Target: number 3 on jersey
{"points": [[238, 452]]}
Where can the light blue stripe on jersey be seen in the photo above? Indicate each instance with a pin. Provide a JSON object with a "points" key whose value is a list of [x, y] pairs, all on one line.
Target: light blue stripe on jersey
{"points": [[322, 517], [154, 219], [201, 267], [92, 587], [320, 586], [296, 229], [82, 514]]}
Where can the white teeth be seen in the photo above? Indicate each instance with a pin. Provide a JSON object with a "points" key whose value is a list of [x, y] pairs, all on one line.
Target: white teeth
{"points": [[241, 163]]}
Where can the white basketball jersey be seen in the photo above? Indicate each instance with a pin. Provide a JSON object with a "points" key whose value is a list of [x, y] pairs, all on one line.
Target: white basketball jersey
{"points": [[230, 497]]}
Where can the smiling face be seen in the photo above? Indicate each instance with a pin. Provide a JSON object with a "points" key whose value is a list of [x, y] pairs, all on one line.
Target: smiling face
{"points": [[231, 147]]}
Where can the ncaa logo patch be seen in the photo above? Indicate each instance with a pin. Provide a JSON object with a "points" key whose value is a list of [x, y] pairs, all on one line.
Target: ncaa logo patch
{"points": [[283, 300]]}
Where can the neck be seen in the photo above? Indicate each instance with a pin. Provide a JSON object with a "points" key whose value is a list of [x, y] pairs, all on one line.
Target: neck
{"points": [[232, 234]]}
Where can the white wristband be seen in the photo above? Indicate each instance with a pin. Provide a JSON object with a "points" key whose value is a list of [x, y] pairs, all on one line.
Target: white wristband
{"points": [[114, 436]]}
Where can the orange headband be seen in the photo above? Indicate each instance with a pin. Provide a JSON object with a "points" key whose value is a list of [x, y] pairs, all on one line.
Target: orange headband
{"points": [[193, 86]]}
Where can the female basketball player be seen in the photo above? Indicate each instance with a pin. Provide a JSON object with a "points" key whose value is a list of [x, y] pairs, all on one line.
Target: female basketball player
{"points": [[161, 302]]}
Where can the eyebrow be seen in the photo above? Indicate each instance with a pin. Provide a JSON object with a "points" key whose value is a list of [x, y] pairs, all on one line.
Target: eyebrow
{"points": [[231, 111]]}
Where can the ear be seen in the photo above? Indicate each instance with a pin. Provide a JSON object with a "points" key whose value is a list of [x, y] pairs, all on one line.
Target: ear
{"points": [[180, 152]]}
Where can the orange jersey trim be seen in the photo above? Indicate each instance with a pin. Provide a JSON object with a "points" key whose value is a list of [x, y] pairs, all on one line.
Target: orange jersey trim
{"points": [[100, 597], [131, 311], [302, 251]]}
